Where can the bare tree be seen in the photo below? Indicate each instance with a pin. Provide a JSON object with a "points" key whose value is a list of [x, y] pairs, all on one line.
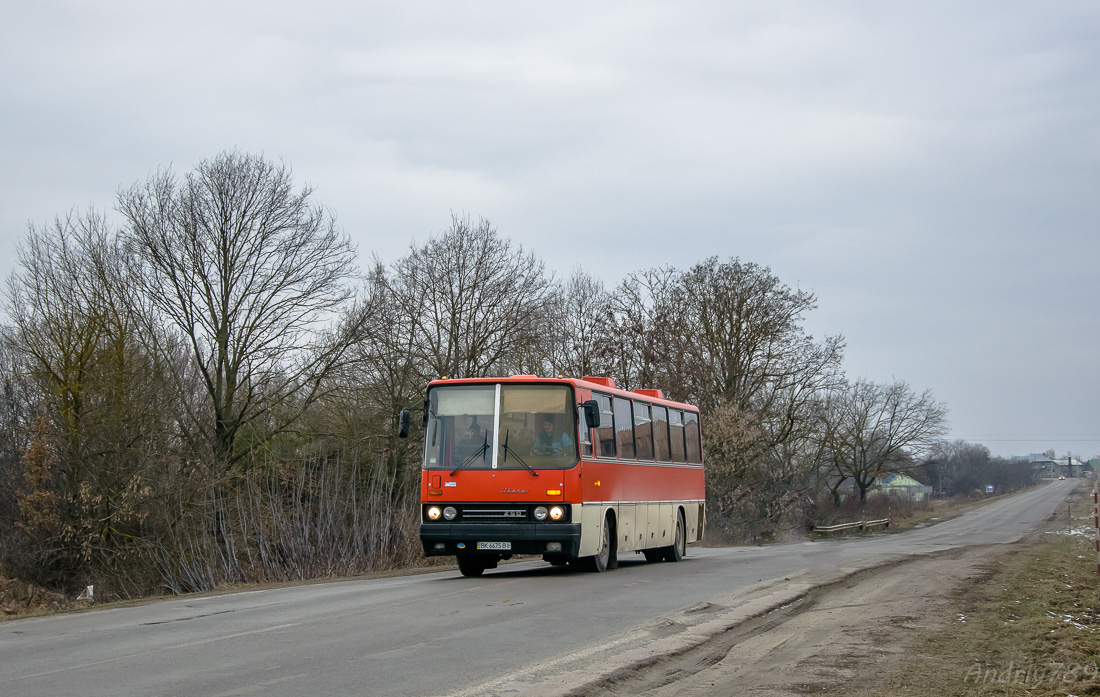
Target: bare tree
{"points": [[101, 422], [380, 377], [746, 338], [648, 328], [728, 336], [961, 467], [14, 433], [250, 275], [474, 298], [725, 333], [381, 374], [579, 338], [874, 428], [58, 323], [948, 461]]}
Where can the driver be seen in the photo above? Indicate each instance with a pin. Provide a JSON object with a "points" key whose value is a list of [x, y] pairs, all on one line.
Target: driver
{"points": [[547, 439], [473, 435], [471, 441]]}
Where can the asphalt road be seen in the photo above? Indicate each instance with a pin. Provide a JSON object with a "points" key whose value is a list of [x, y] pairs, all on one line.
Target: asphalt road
{"points": [[441, 633]]}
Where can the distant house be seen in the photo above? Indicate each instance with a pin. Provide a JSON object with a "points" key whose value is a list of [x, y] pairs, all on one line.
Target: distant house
{"points": [[902, 486], [1075, 468], [1046, 466], [891, 484], [1043, 465]]}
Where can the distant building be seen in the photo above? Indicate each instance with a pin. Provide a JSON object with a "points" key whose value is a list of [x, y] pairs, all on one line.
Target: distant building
{"points": [[1043, 465], [891, 484], [903, 486], [1075, 468], [1046, 466]]}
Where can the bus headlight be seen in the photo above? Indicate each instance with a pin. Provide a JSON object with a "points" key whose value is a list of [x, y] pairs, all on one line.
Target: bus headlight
{"points": [[434, 513], [540, 513], [557, 513], [450, 513]]}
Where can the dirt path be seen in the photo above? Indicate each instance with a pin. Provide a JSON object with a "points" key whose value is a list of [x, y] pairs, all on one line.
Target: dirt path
{"points": [[837, 640]]}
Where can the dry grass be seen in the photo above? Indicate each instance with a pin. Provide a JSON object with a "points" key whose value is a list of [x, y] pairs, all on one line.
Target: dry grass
{"points": [[21, 599], [903, 514], [1029, 625]]}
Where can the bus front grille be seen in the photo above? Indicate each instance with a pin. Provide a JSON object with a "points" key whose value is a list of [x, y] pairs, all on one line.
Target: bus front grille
{"points": [[494, 513]]}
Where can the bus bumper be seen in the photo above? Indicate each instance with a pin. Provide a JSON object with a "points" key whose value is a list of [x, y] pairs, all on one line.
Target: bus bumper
{"points": [[443, 539]]}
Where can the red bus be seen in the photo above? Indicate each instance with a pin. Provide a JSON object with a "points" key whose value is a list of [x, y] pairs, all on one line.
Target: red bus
{"points": [[575, 470]]}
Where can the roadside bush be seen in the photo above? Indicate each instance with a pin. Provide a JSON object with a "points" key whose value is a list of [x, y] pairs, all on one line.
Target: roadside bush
{"points": [[876, 507], [312, 518]]}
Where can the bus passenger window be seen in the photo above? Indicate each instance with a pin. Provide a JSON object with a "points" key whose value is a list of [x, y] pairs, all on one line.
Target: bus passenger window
{"points": [[605, 434], [691, 433], [643, 431], [660, 434], [676, 435], [624, 428]]}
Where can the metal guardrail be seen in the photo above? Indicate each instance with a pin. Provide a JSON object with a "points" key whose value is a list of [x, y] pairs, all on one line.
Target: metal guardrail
{"points": [[859, 524]]}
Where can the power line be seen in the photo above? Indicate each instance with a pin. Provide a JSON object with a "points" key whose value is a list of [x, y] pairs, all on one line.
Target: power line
{"points": [[1041, 435], [1028, 439]]}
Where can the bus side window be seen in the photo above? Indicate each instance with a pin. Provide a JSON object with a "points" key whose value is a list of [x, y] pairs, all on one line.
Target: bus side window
{"points": [[691, 433], [605, 434], [643, 431], [660, 433], [676, 434], [624, 428]]}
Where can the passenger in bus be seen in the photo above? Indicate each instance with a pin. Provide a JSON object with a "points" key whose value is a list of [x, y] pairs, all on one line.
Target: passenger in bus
{"points": [[548, 441]]}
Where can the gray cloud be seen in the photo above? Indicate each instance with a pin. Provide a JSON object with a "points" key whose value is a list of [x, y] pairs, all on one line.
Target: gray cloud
{"points": [[929, 169]]}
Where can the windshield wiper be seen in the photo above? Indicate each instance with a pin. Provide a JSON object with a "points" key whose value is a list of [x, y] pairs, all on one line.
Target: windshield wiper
{"points": [[514, 453], [474, 455]]}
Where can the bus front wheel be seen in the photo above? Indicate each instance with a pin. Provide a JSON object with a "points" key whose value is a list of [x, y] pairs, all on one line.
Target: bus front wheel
{"points": [[470, 565], [606, 558]]}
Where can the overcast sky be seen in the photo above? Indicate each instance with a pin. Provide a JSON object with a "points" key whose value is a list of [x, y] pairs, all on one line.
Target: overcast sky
{"points": [[931, 170]]}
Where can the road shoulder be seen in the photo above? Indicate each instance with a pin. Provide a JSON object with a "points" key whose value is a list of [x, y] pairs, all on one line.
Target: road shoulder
{"points": [[839, 638], [1019, 618]]}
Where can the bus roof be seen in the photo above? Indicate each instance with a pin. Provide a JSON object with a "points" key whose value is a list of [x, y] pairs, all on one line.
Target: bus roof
{"points": [[586, 384]]}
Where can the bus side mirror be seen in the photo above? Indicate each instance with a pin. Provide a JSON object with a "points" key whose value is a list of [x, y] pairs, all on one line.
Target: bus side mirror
{"points": [[592, 413], [403, 429]]}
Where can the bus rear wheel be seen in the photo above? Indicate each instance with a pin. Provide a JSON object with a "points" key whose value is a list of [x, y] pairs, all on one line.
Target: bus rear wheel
{"points": [[679, 546], [471, 565]]}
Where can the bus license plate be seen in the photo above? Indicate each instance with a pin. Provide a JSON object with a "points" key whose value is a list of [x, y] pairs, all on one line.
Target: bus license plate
{"points": [[497, 546]]}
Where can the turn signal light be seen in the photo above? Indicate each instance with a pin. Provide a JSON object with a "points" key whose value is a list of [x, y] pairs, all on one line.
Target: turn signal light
{"points": [[553, 492]]}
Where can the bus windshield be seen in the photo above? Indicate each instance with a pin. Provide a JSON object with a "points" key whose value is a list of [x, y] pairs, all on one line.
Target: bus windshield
{"points": [[501, 426]]}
